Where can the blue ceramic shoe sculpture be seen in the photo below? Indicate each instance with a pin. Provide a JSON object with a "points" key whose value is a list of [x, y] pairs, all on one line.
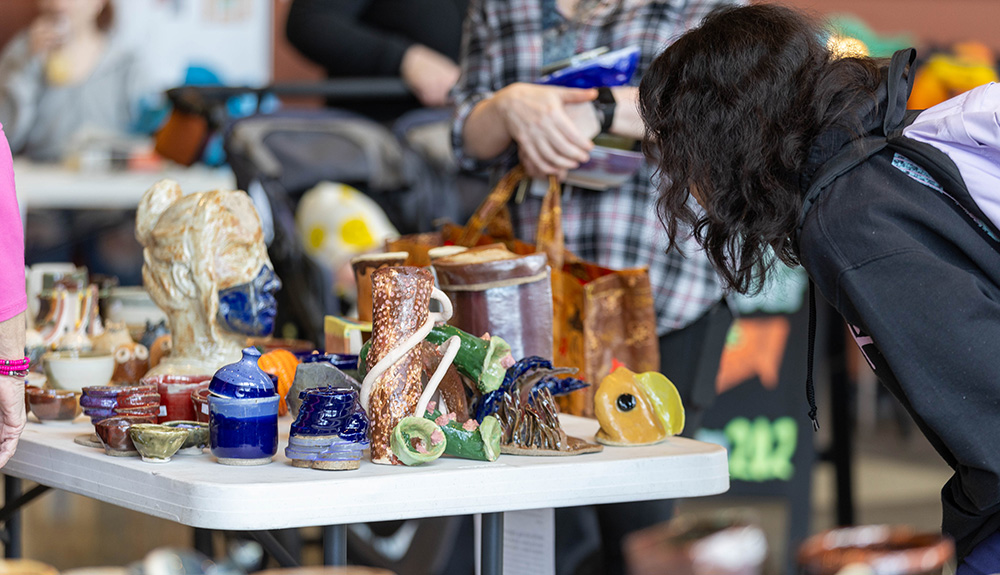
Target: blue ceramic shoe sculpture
{"points": [[330, 431], [243, 413]]}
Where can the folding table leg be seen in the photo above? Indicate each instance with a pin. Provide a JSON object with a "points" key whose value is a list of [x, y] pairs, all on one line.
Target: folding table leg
{"points": [[335, 545], [492, 544], [12, 527]]}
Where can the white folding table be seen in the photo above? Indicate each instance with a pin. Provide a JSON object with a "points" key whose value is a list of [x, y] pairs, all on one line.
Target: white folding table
{"points": [[198, 492]]}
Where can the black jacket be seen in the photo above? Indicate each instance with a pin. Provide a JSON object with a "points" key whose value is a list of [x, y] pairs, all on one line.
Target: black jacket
{"points": [[919, 283]]}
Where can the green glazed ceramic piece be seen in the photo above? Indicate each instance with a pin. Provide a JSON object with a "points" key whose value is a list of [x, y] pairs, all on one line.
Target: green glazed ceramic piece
{"points": [[197, 432], [416, 440], [157, 443], [481, 442]]}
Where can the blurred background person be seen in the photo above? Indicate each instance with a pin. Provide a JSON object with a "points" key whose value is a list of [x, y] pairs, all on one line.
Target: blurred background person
{"points": [[414, 40], [68, 83], [503, 117]]}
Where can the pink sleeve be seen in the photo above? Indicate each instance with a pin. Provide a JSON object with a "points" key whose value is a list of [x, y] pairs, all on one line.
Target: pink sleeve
{"points": [[13, 299]]}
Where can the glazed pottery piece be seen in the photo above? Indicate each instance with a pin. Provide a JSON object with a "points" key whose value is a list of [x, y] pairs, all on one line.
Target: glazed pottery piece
{"points": [[243, 431], [157, 443], [174, 393], [149, 409], [331, 430], [316, 374], [243, 413], [199, 403], [392, 392], [280, 364], [101, 401], [363, 267], [197, 434], [113, 433], [207, 267], [882, 549], [75, 370], [51, 405], [637, 409], [243, 379]]}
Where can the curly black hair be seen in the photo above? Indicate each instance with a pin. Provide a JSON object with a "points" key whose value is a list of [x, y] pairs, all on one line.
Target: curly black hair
{"points": [[731, 109]]}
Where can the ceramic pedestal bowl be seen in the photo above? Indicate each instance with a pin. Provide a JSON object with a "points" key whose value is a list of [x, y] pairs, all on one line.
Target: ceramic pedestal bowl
{"points": [[53, 405], [197, 435], [157, 443], [114, 435], [75, 370]]}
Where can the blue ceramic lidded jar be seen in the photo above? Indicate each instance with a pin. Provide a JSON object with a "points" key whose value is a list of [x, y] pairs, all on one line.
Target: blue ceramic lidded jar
{"points": [[243, 413]]}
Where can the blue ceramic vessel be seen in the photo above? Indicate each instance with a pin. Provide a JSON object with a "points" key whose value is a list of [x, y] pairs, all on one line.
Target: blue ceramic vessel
{"points": [[330, 431], [243, 379], [243, 413], [243, 431]]}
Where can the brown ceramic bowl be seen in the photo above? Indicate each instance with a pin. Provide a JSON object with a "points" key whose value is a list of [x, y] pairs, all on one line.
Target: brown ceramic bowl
{"points": [[199, 401], [113, 433], [53, 404], [137, 398], [149, 409], [902, 548]]}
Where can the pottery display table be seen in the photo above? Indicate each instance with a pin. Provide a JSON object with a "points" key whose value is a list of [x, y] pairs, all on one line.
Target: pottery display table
{"points": [[198, 492]]}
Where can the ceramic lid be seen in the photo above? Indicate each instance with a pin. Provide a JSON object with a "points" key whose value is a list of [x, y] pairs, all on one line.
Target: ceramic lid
{"points": [[243, 379]]}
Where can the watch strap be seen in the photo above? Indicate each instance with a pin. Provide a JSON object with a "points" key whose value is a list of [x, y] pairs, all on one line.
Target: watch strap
{"points": [[605, 104]]}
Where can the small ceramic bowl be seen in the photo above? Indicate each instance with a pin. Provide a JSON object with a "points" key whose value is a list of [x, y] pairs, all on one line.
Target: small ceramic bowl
{"points": [[197, 434], [149, 409], [75, 370], [199, 403], [52, 405], [157, 443], [175, 393], [137, 398], [113, 433]]}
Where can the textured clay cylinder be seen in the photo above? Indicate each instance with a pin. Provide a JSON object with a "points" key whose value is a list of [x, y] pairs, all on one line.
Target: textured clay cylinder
{"points": [[400, 297]]}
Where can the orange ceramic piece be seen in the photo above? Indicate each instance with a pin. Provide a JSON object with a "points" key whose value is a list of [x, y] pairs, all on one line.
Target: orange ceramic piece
{"points": [[281, 363]]}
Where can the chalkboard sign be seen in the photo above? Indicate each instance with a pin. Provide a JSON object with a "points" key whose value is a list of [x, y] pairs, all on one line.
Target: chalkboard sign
{"points": [[760, 413]]}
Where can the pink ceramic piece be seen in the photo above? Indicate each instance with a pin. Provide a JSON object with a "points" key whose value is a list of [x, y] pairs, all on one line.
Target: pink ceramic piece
{"points": [[113, 433], [175, 394], [53, 404]]}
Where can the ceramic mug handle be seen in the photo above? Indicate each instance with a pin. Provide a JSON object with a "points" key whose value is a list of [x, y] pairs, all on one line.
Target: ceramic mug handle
{"points": [[396, 353]]}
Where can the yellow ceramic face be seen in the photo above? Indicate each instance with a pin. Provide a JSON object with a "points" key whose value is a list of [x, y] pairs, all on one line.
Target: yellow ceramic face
{"points": [[626, 415]]}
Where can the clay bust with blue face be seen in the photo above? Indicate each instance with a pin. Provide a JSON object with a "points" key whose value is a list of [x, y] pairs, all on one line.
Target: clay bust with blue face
{"points": [[207, 267]]}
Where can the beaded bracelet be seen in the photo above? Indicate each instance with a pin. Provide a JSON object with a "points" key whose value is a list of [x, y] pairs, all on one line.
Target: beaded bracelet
{"points": [[15, 367]]}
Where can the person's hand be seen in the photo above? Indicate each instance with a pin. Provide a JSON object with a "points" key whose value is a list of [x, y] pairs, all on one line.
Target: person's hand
{"points": [[548, 123], [46, 34], [430, 75], [12, 416]]}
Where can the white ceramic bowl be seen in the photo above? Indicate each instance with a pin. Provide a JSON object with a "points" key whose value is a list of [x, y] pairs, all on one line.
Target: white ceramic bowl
{"points": [[76, 370]]}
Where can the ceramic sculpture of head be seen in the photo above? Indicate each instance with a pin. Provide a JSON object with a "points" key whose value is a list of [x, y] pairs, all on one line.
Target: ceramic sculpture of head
{"points": [[207, 267]]}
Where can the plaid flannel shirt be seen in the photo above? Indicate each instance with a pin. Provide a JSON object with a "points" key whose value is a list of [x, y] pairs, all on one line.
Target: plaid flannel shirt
{"points": [[616, 228]]}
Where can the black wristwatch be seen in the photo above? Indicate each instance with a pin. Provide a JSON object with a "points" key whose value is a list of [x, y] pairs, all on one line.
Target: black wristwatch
{"points": [[605, 106]]}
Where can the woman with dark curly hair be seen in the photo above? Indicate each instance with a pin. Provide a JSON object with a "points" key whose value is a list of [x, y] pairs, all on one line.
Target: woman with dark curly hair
{"points": [[799, 156]]}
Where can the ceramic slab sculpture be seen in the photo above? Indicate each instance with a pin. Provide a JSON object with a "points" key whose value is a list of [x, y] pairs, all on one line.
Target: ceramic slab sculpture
{"points": [[637, 409], [207, 267], [392, 390]]}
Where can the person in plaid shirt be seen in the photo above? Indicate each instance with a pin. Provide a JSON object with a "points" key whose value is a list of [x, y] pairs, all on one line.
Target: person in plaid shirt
{"points": [[502, 118]]}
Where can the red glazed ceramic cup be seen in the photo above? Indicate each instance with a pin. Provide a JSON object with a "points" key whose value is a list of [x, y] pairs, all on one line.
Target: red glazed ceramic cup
{"points": [[175, 394], [113, 433], [199, 403]]}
